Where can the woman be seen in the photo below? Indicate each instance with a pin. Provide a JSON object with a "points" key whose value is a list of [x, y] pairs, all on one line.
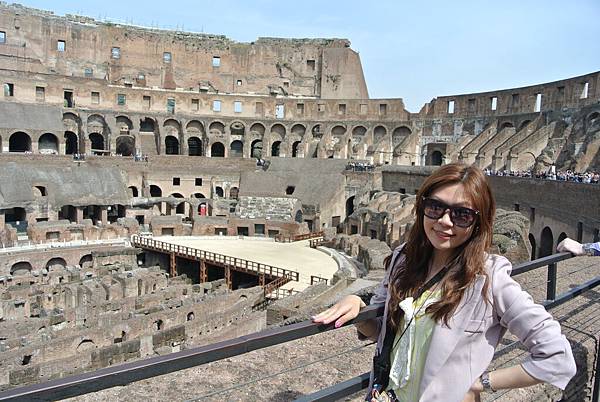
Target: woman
{"points": [[448, 303]]}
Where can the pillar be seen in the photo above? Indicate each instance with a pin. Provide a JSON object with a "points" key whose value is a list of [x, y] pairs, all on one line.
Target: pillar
{"points": [[203, 275], [79, 214], [172, 266], [103, 215], [228, 278]]}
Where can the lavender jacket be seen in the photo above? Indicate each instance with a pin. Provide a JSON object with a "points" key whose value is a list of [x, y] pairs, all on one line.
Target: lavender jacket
{"points": [[460, 353]]}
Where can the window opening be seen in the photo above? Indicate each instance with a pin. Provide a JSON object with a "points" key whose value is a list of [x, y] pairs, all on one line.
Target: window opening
{"points": [[121, 99], [494, 102], [584, 90], [167, 57], [95, 98], [237, 107], [216, 106], [40, 94], [115, 52], [216, 61], [538, 102], [61, 45], [450, 107], [9, 89], [68, 98]]}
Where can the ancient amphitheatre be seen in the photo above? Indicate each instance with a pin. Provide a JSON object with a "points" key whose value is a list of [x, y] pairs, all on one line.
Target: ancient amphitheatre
{"points": [[164, 190]]}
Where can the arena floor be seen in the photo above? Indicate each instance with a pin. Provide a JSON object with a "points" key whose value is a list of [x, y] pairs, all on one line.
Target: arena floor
{"points": [[296, 256]]}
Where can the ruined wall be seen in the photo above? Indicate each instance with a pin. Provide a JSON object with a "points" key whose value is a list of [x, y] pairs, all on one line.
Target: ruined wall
{"points": [[148, 57]]}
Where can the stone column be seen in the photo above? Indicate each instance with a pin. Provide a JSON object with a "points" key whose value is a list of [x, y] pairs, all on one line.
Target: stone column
{"points": [[79, 214], [104, 215]]}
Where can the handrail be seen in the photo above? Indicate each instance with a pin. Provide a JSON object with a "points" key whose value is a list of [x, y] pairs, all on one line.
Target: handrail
{"points": [[128, 372]]}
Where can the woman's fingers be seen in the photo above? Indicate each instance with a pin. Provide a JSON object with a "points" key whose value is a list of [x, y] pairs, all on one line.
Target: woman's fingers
{"points": [[341, 312]]}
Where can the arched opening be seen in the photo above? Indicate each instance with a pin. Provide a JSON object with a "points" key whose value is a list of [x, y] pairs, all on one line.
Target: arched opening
{"points": [[171, 145], [217, 150], [124, 125], [237, 128], [379, 133], [190, 316], [338, 131], [198, 195], [71, 143], [48, 144], [256, 149], [194, 146], [180, 209], [97, 143], [56, 263], [299, 130], [295, 147], [399, 134], [19, 142], [561, 237], [147, 125], [298, 217], [219, 191], [233, 193], [39, 191], [86, 261], [533, 246], [436, 158], [155, 191], [158, 325], [125, 145], [16, 217], [20, 268], [237, 149], [216, 128], [132, 191], [546, 242], [592, 118], [506, 124], [275, 148], [278, 129], [524, 124], [349, 206], [257, 128]]}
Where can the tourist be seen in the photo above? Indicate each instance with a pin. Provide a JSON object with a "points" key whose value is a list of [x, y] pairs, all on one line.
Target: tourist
{"points": [[438, 345], [576, 248]]}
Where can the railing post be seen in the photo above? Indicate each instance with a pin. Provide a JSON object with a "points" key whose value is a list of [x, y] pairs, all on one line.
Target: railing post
{"points": [[551, 283]]}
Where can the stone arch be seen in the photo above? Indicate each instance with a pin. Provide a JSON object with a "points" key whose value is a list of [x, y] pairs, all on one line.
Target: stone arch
{"points": [[19, 142], [546, 242], [155, 191], [217, 150], [257, 128], [48, 144], [524, 124], [86, 261], [299, 130], [378, 134], [124, 125], [195, 146], [132, 191], [561, 237], [97, 125], [275, 148], [39, 191], [198, 195], [216, 128], [317, 131], [237, 128], [338, 131], [278, 129], [125, 145], [20, 268], [437, 158], [256, 149], [97, 142], [86, 344], [234, 192], [56, 263], [171, 145], [236, 149], [219, 191], [532, 242], [172, 127], [592, 117], [295, 148], [147, 125], [399, 134], [350, 206], [359, 131], [71, 122], [71, 143], [195, 128], [506, 124]]}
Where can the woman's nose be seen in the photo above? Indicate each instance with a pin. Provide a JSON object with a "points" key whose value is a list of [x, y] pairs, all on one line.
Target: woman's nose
{"points": [[445, 219]]}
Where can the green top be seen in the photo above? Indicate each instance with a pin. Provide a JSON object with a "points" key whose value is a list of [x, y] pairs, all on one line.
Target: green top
{"points": [[410, 352]]}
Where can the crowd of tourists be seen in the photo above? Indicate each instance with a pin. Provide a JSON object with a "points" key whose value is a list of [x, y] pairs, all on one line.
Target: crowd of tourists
{"points": [[360, 166], [551, 174]]}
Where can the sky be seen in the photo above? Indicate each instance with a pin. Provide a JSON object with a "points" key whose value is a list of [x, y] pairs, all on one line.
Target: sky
{"points": [[415, 50]]}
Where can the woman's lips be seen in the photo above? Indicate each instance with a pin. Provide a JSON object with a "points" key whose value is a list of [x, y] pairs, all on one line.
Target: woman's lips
{"points": [[443, 235]]}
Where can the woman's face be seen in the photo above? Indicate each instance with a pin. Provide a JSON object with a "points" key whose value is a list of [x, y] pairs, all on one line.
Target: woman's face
{"points": [[442, 233]]}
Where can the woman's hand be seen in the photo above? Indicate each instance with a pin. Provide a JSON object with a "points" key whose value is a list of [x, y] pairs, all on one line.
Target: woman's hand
{"points": [[341, 312], [571, 246]]}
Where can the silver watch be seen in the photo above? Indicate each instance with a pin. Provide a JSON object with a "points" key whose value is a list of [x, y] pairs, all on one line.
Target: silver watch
{"points": [[485, 381]]}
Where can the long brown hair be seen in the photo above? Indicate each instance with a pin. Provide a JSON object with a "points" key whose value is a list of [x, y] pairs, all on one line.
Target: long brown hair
{"points": [[469, 258]]}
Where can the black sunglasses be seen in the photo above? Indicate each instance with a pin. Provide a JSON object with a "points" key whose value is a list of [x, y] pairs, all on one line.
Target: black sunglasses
{"points": [[462, 217]]}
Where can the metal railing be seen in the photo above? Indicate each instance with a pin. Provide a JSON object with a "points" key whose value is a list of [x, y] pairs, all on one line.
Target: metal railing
{"points": [[215, 258], [129, 372], [290, 239]]}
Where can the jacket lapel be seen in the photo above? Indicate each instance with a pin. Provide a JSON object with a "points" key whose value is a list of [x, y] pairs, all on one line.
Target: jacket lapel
{"points": [[444, 339]]}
